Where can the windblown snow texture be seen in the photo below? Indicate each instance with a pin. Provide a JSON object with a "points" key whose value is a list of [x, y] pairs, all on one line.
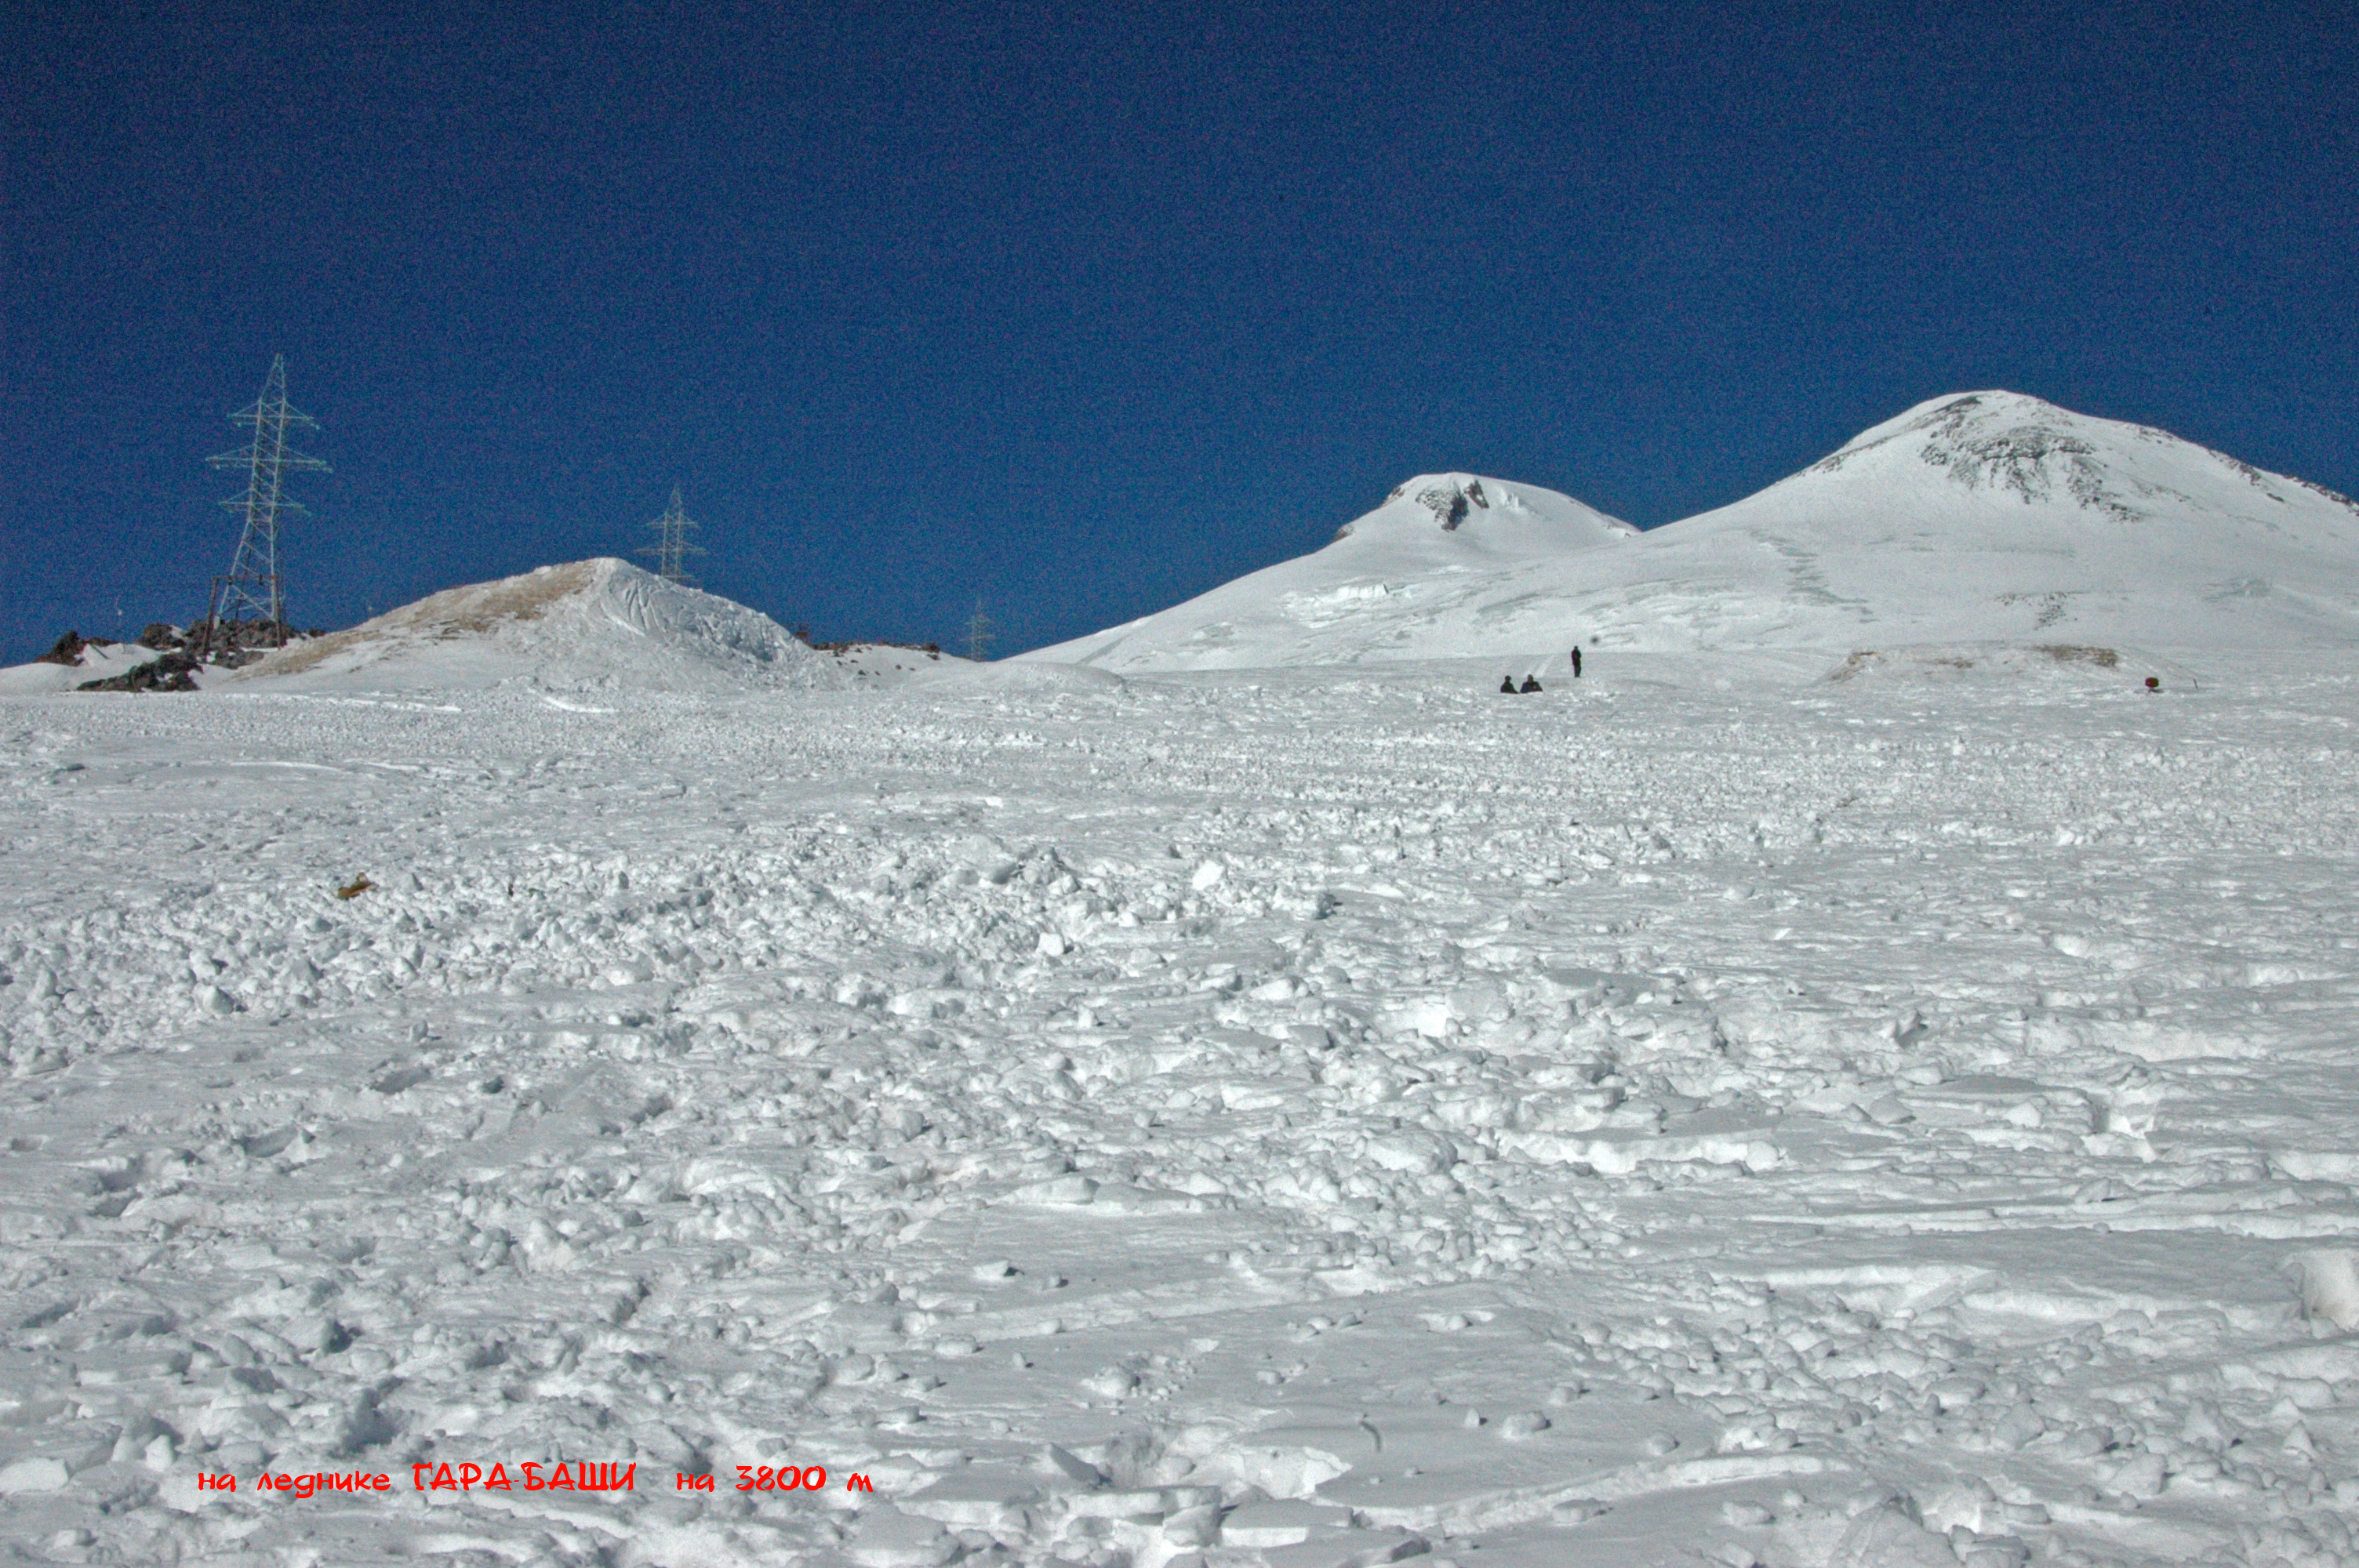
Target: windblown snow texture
{"points": [[1980, 517], [1313, 1117], [589, 625]]}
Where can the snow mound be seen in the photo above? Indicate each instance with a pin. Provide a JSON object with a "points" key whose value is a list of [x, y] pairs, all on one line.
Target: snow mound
{"points": [[879, 665], [2330, 1284], [1416, 578], [1016, 675], [586, 625], [1979, 518], [97, 661]]}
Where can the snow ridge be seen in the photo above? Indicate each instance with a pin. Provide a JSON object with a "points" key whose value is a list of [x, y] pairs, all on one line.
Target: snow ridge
{"points": [[1978, 517]]}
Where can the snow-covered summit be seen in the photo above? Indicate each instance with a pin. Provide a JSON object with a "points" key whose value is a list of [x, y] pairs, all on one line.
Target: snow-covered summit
{"points": [[1975, 517], [1394, 583], [1995, 516], [1486, 516], [2011, 444], [591, 624]]}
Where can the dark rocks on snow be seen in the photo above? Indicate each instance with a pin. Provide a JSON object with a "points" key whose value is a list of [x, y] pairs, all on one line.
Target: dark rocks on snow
{"points": [[1449, 503], [217, 639], [227, 646], [68, 649], [853, 645], [173, 672]]}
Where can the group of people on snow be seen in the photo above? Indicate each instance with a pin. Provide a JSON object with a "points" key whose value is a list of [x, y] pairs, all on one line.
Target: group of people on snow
{"points": [[1508, 687]]}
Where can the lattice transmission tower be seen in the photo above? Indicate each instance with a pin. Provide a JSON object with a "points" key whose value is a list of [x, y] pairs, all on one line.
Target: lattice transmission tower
{"points": [[672, 548], [249, 601]]}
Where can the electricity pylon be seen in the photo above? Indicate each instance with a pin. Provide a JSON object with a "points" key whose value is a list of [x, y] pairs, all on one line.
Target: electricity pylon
{"points": [[979, 634], [672, 548], [254, 589]]}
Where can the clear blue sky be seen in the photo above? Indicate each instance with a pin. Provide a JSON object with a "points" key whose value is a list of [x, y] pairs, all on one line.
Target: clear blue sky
{"points": [[1081, 309]]}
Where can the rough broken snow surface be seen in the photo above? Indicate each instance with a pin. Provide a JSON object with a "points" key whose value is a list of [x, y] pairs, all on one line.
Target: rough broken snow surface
{"points": [[1309, 1118]]}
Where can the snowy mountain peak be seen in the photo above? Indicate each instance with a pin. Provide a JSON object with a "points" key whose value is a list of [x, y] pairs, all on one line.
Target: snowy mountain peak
{"points": [[1423, 550], [1450, 496], [2012, 445], [1450, 502], [2001, 441], [1976, 517]]}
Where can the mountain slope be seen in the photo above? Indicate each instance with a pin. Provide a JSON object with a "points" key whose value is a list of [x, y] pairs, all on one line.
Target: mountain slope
{"points": [[1976, 517], [1995, 516], [1431, 569], [586, 625]]}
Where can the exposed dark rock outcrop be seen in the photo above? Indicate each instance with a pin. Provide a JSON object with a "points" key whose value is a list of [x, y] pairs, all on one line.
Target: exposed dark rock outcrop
{"points": [[1448, 502], [68, 649], [220, 640], [173, 672]]}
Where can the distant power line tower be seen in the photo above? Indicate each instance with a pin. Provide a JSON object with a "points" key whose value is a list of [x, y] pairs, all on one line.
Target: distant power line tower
{"points": [[672, 548], [253, 591], [979, 630]]}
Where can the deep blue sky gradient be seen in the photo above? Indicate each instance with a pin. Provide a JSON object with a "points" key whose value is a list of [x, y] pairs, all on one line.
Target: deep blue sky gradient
{"points": [[1083, 309]]}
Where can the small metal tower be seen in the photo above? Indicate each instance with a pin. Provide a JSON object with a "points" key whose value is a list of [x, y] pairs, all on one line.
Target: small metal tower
{"points": [[980, 635], [252, 591], [672, 548]]}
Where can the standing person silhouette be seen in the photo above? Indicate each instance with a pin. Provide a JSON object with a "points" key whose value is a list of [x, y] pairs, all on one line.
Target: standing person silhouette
{"points": [[1576, 660]]}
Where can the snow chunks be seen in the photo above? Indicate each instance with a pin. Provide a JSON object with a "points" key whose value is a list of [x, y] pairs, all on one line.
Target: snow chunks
{"points": [[986, 859], [1056, 1192], [1412, 1152], [2329, 1281]]}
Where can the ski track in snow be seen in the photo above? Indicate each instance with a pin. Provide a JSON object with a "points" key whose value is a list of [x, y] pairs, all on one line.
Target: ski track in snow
{"points": [[1303, 1118]]}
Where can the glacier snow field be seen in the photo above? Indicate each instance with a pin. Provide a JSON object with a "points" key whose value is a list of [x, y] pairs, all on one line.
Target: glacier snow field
{"points": [[1266, 1120]]}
